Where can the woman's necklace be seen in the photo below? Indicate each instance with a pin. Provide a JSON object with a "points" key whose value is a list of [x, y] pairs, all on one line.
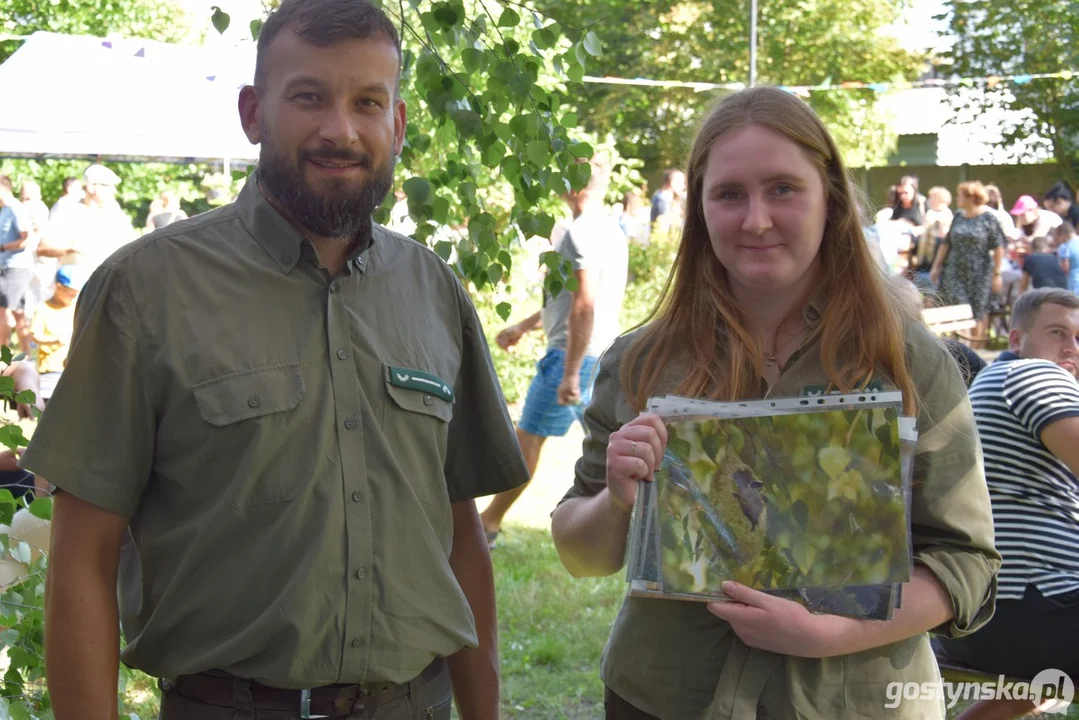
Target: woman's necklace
{"points": [[770, 358]]}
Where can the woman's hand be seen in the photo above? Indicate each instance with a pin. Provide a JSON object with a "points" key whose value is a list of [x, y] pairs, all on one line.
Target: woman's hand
{"points": [[633, 453], [781, 626], [934, 276], [998, 284]]}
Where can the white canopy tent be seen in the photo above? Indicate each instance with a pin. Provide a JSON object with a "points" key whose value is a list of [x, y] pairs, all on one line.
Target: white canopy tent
{"points": [[123, 99]]}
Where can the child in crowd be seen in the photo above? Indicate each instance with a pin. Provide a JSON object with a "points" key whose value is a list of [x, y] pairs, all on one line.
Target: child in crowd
{"points": [[52, 326]]}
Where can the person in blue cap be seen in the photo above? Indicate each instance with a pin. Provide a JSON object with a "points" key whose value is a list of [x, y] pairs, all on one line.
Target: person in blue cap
{"points": [[52, 326]]}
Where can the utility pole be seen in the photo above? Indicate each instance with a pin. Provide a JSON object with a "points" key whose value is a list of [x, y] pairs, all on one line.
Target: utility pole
{"points": [[752, 42]]}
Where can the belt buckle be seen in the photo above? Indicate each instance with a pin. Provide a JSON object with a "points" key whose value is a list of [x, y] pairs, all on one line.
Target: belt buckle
{"points": [[305, 706]]}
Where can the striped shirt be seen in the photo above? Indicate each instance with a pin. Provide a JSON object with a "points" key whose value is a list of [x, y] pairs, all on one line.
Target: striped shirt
{"points": [[1035, 497]]}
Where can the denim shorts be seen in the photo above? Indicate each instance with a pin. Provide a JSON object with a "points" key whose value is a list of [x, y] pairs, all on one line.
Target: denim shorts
{"points": [[542, 415]]}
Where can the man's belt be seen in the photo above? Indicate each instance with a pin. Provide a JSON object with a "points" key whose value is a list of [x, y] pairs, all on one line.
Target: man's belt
{"points": [[222, 689]]}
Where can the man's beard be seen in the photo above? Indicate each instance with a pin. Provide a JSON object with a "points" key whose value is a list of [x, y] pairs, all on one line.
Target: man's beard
{"points": [[344, 211]]}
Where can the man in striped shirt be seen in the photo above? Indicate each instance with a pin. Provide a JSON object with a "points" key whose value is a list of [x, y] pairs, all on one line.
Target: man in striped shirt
{"points": [[1027, 409]]}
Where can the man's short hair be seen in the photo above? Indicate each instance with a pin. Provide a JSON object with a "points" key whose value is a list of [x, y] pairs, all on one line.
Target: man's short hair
{"points": [[68, 182], [600, 179], [1059, 191], [1028, 305], [1064, 229], [324, 23], [1039, 244], [5, 183], [668, 176]]}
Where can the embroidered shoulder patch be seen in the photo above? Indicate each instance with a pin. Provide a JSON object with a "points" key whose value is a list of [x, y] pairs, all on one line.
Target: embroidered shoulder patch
{"points": [[420, 381]]}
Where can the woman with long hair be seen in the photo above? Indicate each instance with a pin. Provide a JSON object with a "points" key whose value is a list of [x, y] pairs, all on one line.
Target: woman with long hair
{"points": [[773, 293]]}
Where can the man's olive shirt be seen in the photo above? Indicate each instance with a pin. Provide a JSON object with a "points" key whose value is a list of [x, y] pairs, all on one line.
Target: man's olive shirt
{"points": [[286, 444]]}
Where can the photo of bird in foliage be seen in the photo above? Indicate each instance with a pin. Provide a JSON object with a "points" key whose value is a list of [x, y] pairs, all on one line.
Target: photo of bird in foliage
{"points": [[782, 502]]}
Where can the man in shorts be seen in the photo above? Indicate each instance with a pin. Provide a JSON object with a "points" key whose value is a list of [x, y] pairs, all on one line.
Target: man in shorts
{"points": [[579, 326]]}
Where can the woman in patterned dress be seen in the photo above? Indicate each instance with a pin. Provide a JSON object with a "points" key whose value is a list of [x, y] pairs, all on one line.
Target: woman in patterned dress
{"points": [[963, 270]]}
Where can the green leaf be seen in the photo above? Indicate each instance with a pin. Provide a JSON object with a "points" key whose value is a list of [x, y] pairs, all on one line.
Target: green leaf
{"points": [[446, 15], [26, 396], [544, 38], [503, 309], [581, 54], [569, 120], [539, 153], [7, 438], [581, 150], [440, 210], [578, 175], [551, 259], [509, 19], [575, 73], [7, 385], [505, 258], [444, 248], [494, 273], [546, 226], [592, 44], [418, 190], [473, 59], [5, 354], [468, 123], [42, 508], [256, 28], [220, 19]]}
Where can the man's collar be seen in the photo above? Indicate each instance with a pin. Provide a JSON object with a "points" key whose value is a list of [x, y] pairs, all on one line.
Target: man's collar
{"points": [[277, 236]]}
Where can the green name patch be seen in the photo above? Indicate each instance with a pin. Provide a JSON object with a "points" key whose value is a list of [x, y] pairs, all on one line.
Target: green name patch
{"points": [[419, 380]]}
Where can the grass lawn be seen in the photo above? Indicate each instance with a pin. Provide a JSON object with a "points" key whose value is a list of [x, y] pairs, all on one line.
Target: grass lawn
{"points": [[552, 627]]}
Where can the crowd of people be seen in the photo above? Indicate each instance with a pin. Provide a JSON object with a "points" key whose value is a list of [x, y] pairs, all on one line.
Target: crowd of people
{"points": [[47, 254], [981, 254], [276, 420]]}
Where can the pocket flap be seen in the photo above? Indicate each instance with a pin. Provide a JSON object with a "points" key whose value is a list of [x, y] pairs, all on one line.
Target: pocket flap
{"points": [[419, 397], [249, 394]]}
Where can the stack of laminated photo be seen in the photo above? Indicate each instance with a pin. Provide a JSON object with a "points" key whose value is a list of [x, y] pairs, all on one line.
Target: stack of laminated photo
{"points": [[804, 498]]}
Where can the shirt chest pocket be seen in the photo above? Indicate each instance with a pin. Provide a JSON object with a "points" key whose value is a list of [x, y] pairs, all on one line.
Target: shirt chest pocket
{"points": [[255, 420], [415, 421]]}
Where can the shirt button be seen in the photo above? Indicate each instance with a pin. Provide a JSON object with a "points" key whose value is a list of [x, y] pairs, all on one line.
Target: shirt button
{"points": [[341, 354], [286, 259], [360, 261], [350, 424], [357, 496], [427, 400], [361, 573], [254, 401], [357, 643]]}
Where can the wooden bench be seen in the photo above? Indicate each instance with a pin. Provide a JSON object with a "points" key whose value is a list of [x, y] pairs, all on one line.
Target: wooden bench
{"points": [[950, 319]]}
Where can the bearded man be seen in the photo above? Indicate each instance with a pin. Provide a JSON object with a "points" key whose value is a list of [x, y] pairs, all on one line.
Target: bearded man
{"points": [[272, 426]]}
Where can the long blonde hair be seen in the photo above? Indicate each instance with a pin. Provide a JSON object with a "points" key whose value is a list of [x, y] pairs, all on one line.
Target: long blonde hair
{"points": [[861, 328]]}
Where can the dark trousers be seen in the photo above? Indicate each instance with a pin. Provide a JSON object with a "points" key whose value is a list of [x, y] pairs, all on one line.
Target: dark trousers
{"points": [[1023, 637], [615, 708], [422, 699]]}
